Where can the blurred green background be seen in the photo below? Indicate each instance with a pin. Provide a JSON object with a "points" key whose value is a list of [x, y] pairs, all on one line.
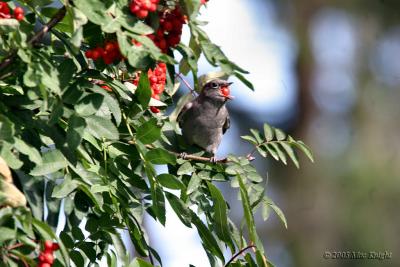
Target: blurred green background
{"points": [[347, 68]]}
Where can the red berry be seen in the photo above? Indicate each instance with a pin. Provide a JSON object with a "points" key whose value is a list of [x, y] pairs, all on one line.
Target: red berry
{"points": [[18, 10], [89, 53], [155, 96], [154, 109], [158, 88], [146, 4], [4, 9], [48, 245], [19, 13], [41, 256], [48, 257], [167, 26], [109, 46], [153, 7], [107, 88], [162, 44], [134, 8], [225, 91], [141, 14], [153, 79], [44, 264], [55, 245]]}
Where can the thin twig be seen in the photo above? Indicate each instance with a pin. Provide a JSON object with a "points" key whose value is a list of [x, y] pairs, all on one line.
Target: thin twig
{"points": [[186, 83], [15, 246], [238, 254], [53, 22]]}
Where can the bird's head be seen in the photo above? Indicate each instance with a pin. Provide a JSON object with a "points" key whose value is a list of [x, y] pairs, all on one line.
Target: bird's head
{"points": [[217, 90]]}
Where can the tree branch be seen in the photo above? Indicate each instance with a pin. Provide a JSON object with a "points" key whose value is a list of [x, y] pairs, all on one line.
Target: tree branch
{"points": [[53, 22], [238, 254], [199, 158]]}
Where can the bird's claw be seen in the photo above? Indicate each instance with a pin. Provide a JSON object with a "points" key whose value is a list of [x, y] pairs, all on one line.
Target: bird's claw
{"points": [[250, 157], [213, 160], [183, 155]]}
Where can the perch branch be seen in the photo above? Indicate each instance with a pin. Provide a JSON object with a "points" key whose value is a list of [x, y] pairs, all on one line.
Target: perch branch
{"points": [[238, 254]]}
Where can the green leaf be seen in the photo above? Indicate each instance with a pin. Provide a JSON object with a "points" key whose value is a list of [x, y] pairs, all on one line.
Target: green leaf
{"points": [[66, 69], [77, 258], [139, 263], [148, 132], [89, 105], [28, 150], [277, 210], [280, 135], [101, 128], [268, 132], [244, 80], [194, 184], [181, 210], [250, 139], [65, 188], [53, 161], [305, 149], [185, 168], [208, 240], [272, 151], [143, 91], [95, 10], [7, 234], [220, 216], [170, 181], [281, 155], [265, 210], [160, 156], [257, 135], [248, 214], [76, 129], [289, 150], [157, 195], [7, 130]]}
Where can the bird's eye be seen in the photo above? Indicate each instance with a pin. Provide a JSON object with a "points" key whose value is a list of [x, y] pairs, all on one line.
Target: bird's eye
{"points": [[214, 85]]}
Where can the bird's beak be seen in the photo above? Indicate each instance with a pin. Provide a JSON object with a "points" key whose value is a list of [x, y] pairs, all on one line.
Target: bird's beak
{"points": [[228, 84], [229, 97]]}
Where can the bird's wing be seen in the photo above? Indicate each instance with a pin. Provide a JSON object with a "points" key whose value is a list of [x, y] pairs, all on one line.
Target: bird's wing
{"points": [[226, 125], [185, 108]]}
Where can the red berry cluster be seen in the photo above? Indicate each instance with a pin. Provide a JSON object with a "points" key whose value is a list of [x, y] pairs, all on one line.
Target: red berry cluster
{"points": [[170, 31], [110, 53], [203, 2], [5, 12], [141, 8], [46, 257], [157, 78]]}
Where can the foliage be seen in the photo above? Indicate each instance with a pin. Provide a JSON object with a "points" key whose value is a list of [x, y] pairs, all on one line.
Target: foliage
{"points": [[91, 154]]}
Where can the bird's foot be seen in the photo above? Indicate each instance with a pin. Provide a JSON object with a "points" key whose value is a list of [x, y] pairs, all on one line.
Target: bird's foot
{"points": [[250, 157], [213, 160], [183, 155]]}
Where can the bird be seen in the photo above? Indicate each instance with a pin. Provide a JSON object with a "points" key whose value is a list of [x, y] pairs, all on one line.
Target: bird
{"points": [[205, 119]]}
